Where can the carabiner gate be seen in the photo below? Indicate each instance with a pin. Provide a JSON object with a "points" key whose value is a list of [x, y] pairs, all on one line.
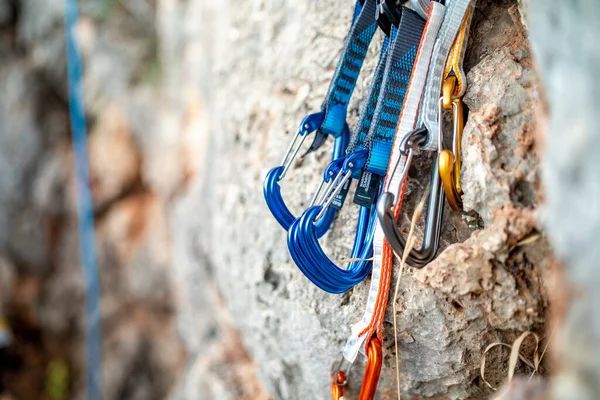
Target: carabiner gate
{"points": [[272, 189], [352, 163], [304, 245]]}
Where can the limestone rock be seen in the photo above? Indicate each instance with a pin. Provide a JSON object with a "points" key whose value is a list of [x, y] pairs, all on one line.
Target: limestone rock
{"points": [[499, 165], [568, 58], [294, 331], [190, 103]]}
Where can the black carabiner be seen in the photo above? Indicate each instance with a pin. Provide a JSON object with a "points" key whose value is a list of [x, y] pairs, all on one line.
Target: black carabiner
{"points": [[435, 211], [389, 13]]}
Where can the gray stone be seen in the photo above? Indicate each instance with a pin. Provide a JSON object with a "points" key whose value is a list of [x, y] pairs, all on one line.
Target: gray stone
{"points": [[272, 65], [564, 38], [21, 227], [7, 281]]}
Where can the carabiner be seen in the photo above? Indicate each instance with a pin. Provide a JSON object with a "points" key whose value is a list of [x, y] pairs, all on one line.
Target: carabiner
{"points": [[370, 378], [435, 209], [352, 164], [303, 241], [272, 189], [449, 161], [338, 382], [388, 14]]}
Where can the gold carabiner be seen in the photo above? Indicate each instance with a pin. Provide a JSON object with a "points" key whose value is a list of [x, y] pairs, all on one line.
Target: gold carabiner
{"points": [[449, 161], [371, 376], [448, 91]]}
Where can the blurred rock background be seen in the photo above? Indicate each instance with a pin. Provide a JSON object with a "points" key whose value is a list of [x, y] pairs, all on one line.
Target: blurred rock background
{"points": [[189, 104], [146, 126]]}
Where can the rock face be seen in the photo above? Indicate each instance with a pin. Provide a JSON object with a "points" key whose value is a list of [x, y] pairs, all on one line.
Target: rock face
{"points": [[273, 62], [190, 103], [569, 57], [141, 156]]}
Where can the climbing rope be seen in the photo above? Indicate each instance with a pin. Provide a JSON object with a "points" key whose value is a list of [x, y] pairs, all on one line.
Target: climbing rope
{"points": [[85, 212]]}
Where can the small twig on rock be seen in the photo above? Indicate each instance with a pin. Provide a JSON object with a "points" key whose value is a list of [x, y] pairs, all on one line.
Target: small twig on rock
{"points": [[409, 245], [515, 355]]}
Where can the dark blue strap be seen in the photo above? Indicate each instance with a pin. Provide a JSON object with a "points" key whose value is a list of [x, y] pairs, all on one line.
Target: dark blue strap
{"points": [[401, 57], [85, 211], [335, 104], [367, 112]]}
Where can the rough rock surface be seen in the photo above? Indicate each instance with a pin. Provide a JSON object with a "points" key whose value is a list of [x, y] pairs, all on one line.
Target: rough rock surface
{"points": [[196, 101], [568, 55], [142, 154], [273, 62]]}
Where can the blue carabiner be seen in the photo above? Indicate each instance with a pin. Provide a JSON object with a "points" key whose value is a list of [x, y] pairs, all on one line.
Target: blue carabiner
{"points": [[305, 248], [272, 189]]}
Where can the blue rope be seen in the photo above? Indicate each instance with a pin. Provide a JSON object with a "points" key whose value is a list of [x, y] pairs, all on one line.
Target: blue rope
{"points": [[93, 344]]}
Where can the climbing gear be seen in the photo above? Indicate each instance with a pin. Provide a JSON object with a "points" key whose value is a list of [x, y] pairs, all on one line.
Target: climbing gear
{"points": [[367, 159], [272, 189], [429, 110], [449, 161], [370, 378], [435, 208], [371, 322], [422, 7], [395, 122], [303, 235], [85, 211], [453, 89], [455, 14], [309, 256], [331, 120], [337, 386]]}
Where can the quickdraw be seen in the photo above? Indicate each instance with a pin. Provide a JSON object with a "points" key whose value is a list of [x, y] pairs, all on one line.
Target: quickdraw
{"points": [[370, 378], [421, 58], [331, 120], [367, 160], [371, 323], [430, 123]]}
